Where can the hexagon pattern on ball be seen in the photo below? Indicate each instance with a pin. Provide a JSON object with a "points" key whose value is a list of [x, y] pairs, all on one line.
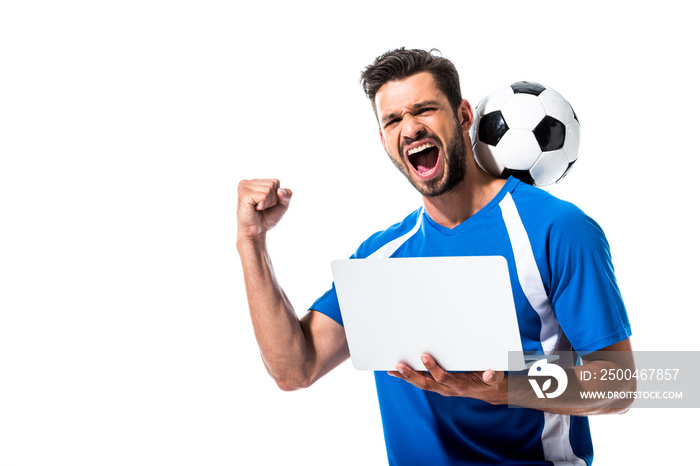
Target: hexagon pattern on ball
{"points": [[526, 130]]}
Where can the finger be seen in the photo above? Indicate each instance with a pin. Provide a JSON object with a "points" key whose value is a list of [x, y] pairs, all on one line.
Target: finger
{"points": [[260, 194], [437, 372], [284, 197], [490, 377], [254, 191], [424, 382], [265, 194], [399, 375]]}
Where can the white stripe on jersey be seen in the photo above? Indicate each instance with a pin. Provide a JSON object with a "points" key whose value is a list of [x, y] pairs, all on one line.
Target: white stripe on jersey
{"points": [[390, 248], [529, 275], [555, 441], [555, 434]]}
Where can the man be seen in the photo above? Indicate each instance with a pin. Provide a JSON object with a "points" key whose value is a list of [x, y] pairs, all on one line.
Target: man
{"points": [[563, 286]]}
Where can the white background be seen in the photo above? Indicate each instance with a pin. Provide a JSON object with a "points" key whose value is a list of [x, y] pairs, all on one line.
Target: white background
{"points": [[126, 126]]}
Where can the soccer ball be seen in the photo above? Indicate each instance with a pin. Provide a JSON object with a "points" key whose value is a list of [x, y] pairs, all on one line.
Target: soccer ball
{"points": [[526, 130]]}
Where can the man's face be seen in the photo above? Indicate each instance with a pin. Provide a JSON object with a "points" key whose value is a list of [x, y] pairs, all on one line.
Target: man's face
{"points": [[421, 134]]}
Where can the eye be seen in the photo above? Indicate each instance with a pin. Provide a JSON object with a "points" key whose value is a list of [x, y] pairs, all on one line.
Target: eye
{"points": [[425, 110], [391, 122]]}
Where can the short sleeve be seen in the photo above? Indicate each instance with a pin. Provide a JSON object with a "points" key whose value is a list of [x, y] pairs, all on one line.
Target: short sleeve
{"points": [[328, 305], [584, 293]]}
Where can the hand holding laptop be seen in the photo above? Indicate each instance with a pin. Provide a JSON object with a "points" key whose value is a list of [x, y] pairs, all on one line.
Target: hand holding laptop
{"points": [[490, 386]]}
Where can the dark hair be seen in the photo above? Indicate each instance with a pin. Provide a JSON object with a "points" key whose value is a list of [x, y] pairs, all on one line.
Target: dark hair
{"points": [[400, 63]]}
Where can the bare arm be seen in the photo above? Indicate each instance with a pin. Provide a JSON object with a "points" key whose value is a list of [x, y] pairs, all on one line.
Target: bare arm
{"points": [[614, 357], [497, 388], [296, 352]]}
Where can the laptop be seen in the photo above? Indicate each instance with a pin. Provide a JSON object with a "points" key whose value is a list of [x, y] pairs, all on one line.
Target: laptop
{"points": [[458, 309]]}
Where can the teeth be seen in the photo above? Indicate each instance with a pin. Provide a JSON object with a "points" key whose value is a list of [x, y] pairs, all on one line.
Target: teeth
{"points": [[415, 150]]}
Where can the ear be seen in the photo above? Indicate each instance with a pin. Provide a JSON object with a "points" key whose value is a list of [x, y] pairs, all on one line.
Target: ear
{"points": [[466, 115], [381, 136]]}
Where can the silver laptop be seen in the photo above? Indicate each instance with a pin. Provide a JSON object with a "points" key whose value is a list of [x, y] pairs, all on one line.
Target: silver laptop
{"points": [[458, 309]]}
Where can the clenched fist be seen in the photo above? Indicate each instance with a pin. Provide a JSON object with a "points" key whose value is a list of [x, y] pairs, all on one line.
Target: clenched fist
{"points": [[261, 205]]}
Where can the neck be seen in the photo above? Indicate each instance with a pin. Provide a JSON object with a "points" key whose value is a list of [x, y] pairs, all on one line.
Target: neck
{"points": [[470, 196]]}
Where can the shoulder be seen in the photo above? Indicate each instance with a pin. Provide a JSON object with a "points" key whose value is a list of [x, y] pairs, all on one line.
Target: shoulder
{"points": [[541, 210], [559, 232], [538, 202], [395, 231]]}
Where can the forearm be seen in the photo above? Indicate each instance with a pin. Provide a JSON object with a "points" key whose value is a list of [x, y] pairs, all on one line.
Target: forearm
{"points": [[277, 328], [516, 389], [579, 382]]}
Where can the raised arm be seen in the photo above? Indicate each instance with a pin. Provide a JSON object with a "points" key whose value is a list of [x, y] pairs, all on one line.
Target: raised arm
{"points": [[296, 352]]}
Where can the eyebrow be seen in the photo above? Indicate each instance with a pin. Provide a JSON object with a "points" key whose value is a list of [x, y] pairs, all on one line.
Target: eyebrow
{"points": [[414, 107]]}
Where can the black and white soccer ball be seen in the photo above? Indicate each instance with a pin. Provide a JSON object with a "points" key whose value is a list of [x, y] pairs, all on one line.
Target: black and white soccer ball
{"points": [[526, 130]]}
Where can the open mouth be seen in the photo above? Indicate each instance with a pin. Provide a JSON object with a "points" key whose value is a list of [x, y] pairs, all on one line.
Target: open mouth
{"points": [[424, 158]]}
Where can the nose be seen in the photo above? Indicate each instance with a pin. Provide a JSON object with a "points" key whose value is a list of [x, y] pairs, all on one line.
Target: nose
{"points": [[412, 127]]}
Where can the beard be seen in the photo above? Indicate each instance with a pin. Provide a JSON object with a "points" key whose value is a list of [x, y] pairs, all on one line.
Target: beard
{"points": [[455, 165]]}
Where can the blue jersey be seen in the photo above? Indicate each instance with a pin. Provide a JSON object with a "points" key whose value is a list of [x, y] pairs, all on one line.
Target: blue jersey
{"points": [[566, 298]]}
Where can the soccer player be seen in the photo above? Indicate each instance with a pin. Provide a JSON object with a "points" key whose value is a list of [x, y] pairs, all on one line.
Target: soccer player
{"points": [[562, 278]]}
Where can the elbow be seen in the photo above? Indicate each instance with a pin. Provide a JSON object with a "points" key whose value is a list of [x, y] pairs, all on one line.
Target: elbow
{"points": [[630, 390], [620, 407], [286, 379], [624, 410], [625, 400], [290, 384], [290, 381]]}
